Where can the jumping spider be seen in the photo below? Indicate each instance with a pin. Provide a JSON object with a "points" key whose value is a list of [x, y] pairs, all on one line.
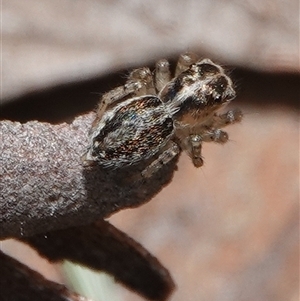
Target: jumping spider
{"points": [[157, 114]]}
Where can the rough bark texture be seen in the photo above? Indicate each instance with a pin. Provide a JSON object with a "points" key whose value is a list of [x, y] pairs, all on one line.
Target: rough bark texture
{"points": [[44, 185]]}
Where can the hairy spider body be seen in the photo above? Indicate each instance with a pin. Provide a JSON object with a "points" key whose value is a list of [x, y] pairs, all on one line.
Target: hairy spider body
{"points": [[161, 115], [136, 129]]}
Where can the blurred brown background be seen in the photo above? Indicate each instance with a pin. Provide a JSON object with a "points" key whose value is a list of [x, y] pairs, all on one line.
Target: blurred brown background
{"points": [[227, 231]]}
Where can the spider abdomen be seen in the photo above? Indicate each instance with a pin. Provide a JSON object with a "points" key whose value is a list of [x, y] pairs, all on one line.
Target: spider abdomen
{"points": [[133, 130]]}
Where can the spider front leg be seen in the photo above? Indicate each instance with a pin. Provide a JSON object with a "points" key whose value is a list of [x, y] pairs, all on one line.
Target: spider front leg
{"points": [[230, 117], [196, 149], [171, 150], [184, 62], [215, 135], [194, 143], [211, 133]]}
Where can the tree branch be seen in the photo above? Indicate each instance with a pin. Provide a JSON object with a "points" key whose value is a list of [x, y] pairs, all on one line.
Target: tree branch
{"points": [[45, 187], [102, 247]]}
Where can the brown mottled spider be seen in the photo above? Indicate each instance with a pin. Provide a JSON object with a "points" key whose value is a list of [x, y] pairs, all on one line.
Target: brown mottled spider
{"points": [[157, 114]]}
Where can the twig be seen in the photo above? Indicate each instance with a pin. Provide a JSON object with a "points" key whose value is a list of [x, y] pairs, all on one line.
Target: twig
{"points": [[44, 186]]}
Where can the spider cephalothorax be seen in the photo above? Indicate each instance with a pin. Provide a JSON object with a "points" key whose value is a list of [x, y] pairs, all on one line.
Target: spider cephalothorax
{"points": [[161, 115]]}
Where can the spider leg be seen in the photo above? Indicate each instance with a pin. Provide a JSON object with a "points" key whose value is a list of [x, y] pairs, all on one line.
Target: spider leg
{"points": [[171, 150], [115, 95], [139, 82], [215, 135], [162, 74], [144, 77], [194, 143], [227, 118], [196, 150], [184, 61]]}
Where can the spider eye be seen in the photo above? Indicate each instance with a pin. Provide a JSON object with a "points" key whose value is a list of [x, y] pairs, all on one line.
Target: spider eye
{"points": [[208, 69], [220, 85], [218, 99], [222, 90]]}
